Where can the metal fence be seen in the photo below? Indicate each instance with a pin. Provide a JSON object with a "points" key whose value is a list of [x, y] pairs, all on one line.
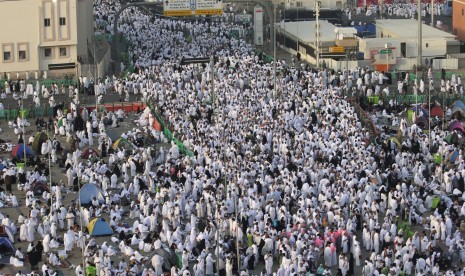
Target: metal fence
{"points": [[48, 82], [446, 99]]}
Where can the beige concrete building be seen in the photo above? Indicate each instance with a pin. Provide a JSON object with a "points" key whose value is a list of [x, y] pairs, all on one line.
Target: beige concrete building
{"points": [[310, 4], [45, 37]]}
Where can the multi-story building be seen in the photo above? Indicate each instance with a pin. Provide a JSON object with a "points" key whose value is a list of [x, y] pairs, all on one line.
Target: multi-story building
{"points": [[44, 37], [458, 19]]}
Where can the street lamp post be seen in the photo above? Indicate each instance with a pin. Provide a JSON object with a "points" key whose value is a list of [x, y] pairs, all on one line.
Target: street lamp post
{"points": [[419, 34], [23, 119], [274, 50], [386, 47], [212, 77], [317, 32], [50, 172], [432, 12]]}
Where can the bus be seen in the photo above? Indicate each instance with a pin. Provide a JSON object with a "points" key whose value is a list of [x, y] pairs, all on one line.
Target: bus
{"points": [[447, 8]]}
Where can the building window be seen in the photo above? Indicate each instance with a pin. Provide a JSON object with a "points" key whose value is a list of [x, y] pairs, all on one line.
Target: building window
{"points": [[48, 53], [63, 52], [62, 21], [22, 55], [427, 45], [23, 51], [7, 56], [47, 22], [8, 52]]}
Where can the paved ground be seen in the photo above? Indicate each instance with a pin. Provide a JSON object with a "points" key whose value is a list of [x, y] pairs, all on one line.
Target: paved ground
{"points": [[57, 174]]}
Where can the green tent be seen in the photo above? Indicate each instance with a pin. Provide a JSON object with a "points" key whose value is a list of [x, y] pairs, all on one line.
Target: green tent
{"points": [[60, 122], [435, 202], [451, 138], [179, 259], [437, 159], [122, 143], [91, 270], [39, 139]]}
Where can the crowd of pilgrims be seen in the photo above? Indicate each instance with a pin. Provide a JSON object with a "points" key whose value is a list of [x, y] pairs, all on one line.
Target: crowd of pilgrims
{"points": [[283, 181], [406, 10]]}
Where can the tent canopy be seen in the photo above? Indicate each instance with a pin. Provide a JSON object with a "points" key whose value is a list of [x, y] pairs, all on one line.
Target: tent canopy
{"points": [[90, 191], [452, 138], [419, 109], [40, 138], [18, 151], [38, 188], [458, 105], [422, 122], [394, 139], [99, 227], [437, 111], [6, 246], [456, 125], [88, 152], [122, 143], [6, 232], [453, 156]]}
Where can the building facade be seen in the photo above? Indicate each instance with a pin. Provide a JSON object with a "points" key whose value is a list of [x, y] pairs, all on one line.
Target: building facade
{"points": [[458, 19], [44, 38], [325, 4]]}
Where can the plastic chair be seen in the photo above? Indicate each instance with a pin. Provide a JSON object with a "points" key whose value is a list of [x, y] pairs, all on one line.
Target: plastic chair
{"points": [[38, 112], [24, 113], [14, 113], [7, 114]]}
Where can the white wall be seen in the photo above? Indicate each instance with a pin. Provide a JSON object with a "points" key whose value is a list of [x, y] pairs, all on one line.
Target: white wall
{"points": [[19, 26], [310, 4], [451, 64], [23, 24], [436, 47], [85, 25]]}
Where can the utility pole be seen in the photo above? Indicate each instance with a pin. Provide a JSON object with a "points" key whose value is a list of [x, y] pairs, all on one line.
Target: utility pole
{"points": [[317, 32], [419, 34], [212, 77], [274, 50], [432, 12], [381, 9]]}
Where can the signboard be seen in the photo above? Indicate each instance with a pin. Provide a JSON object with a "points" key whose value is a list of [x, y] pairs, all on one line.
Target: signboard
{"points": [[386, 51], [336, 49], [243, 18], [192, 7], [382, 56]]}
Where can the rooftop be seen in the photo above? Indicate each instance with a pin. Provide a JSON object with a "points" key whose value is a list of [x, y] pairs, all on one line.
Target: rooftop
{"points": [[407, 28], [305, 30]]}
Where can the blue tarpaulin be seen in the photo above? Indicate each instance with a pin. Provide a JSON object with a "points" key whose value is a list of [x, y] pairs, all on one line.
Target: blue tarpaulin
{"points": [[366, 30]]}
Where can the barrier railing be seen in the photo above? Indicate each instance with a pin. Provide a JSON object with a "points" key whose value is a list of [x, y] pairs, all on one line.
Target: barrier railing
{"points": [[169, 135], [46, 111], [47, 82], [125, 106], [447, 99]]}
